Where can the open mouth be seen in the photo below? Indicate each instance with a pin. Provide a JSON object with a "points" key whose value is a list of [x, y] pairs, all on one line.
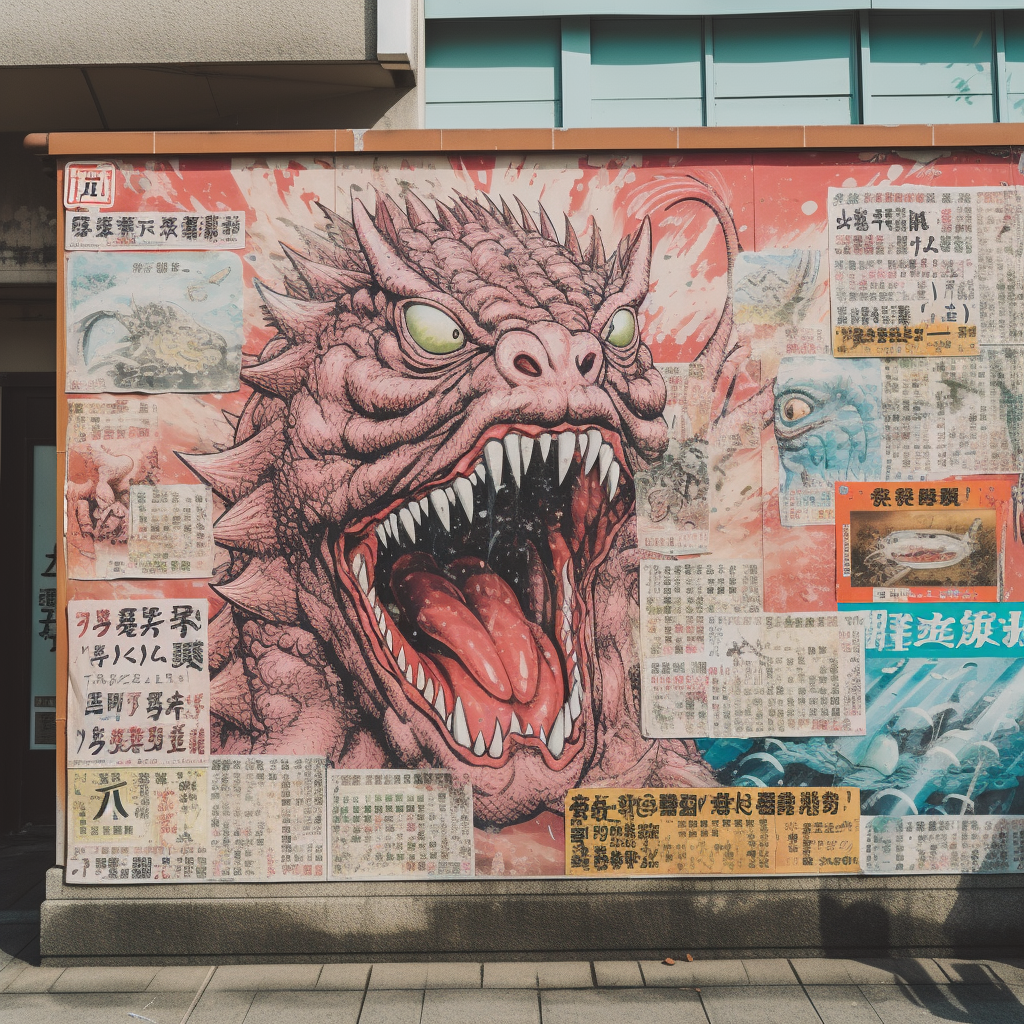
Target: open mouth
{"points": [[470, 590]]}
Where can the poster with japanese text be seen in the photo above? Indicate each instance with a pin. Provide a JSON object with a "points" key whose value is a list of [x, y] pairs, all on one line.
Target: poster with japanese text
{"points": [[712, 831], [920, 543], [442, 413], [138, 683]]}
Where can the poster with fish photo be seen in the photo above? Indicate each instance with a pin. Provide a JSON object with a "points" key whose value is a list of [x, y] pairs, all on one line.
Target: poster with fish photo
{"points": [[934, 542], [153, 322]]}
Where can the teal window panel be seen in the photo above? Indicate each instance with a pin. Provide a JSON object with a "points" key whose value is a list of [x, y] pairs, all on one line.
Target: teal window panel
{"points": [[930, 69], [647, 113], [775, 110], [1013, 22], [493, 73], [783, 56], [512, 114], [645, 71]]}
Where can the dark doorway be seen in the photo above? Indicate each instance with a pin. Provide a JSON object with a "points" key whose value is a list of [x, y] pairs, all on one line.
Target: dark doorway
{"points": [[28, 609]]}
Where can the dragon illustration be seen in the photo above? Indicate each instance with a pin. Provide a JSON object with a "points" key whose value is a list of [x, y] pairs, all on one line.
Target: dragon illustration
{"points": [[430, 506]]}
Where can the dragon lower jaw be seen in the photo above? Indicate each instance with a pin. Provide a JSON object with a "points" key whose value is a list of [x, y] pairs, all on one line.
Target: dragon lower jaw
{"points": [[469, 592]]}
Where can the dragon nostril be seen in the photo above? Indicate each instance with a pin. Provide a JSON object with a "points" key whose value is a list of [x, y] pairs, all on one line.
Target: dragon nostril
{"points": [[586, 364], [526, 365]]}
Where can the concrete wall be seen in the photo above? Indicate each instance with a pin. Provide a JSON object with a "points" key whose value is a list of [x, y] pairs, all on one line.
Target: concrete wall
{"points": [[39, 32]]}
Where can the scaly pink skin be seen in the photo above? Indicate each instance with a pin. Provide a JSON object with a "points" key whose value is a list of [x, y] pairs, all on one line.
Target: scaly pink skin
{"points": [[350, 418]]}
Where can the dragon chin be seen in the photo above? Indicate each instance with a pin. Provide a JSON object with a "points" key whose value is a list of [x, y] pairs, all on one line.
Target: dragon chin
{"points": [[469, 590]]}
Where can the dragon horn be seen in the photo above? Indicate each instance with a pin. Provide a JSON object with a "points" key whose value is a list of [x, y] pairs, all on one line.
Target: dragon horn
{"points": [[418, 211], [297, 319], [337, 225], [281, 376], [572, 242], [529, 224], [264, 588], [595, 251], [249, 524], [325, 281], [390, 270], [547, 229], [230, 471]]}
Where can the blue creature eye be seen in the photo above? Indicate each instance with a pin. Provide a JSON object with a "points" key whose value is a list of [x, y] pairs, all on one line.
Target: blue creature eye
{"points": [[796, 409]]}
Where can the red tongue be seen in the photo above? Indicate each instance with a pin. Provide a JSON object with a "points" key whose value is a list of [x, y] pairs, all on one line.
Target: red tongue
{"points": [[480, 619]]}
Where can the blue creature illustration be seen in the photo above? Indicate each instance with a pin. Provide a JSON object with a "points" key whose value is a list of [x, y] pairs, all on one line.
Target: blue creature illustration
{"points": [[826, 422]]}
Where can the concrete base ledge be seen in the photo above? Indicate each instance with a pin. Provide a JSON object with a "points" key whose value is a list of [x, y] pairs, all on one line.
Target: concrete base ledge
{"points": [[481, 920]]}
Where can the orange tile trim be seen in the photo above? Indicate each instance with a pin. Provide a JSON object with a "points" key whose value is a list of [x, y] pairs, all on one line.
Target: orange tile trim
{"points": [[520, 140]]}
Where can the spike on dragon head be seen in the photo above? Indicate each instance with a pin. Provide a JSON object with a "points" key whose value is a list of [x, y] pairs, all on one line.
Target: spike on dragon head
{"points": [[430, 498]]}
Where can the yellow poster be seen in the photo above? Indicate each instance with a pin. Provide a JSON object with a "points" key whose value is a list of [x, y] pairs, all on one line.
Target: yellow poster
{"points": [[165, 807], [728, 831], [939, 339]]}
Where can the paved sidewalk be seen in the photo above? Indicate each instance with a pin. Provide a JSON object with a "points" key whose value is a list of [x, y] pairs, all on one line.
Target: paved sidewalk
{"points": [[905, 991]]}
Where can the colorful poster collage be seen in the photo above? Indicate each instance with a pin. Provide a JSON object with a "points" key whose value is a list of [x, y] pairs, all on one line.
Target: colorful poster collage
{"points": [[401, 525]]}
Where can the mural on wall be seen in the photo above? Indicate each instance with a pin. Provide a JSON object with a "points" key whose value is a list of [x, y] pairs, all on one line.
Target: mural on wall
{"points": [[425, 489]]}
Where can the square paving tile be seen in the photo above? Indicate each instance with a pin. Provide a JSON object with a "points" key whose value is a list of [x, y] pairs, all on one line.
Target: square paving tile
{"points": [[305, 1008], [897, 971], [453, 975], [222, 1007], [917, 1004], [264, 977], [495, 1006], [509, 975], [35, 979], [758, 1004], [178, 979], [618, 974], [684, 974], [773, 971], [389, 976], [841, 1004], [97, 1008], [342, 977], [104, 979], [391, 1006], [565, 974], [622, 1006]]}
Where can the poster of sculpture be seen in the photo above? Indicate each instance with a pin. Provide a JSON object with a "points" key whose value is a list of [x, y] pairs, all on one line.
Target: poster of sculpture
{"points": [[456, 378]]}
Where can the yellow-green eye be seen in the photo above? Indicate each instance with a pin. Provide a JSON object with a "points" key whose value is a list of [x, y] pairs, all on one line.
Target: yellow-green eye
{"points": [[620, 329], [433, 329]]}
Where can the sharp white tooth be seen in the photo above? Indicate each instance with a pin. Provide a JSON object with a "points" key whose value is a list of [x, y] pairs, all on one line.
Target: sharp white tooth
{"points": [[390, 641], [577, 676], [514, 728], [529, 730], [357, 564], [401, 658], [410, 527], [583, 440], [545, 446], [382, 535], [543, 738], [439, 703], [480, 472], [425, 506], [566, 447], [380, 621], [460, 727], [364, 582], [450, 492], [408, 673], [420, 678], [593, 449], [479, 746], [394, 527], [604, 460], [495, 462], [448, 723], [566, 720], [556, 741], [526, 447], [612, 484], [428, 693], [575, 660], [496, 747], [512, 451], [372, 597], [575, 707], [417, 515], [440, 502], [464, 489]]}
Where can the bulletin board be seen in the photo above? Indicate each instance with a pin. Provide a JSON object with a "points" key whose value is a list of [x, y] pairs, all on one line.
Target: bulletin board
{"points": [[453, 515]]}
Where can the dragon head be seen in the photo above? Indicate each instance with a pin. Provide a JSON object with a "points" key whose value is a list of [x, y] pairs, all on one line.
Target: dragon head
{"points": [[435, 463]]}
